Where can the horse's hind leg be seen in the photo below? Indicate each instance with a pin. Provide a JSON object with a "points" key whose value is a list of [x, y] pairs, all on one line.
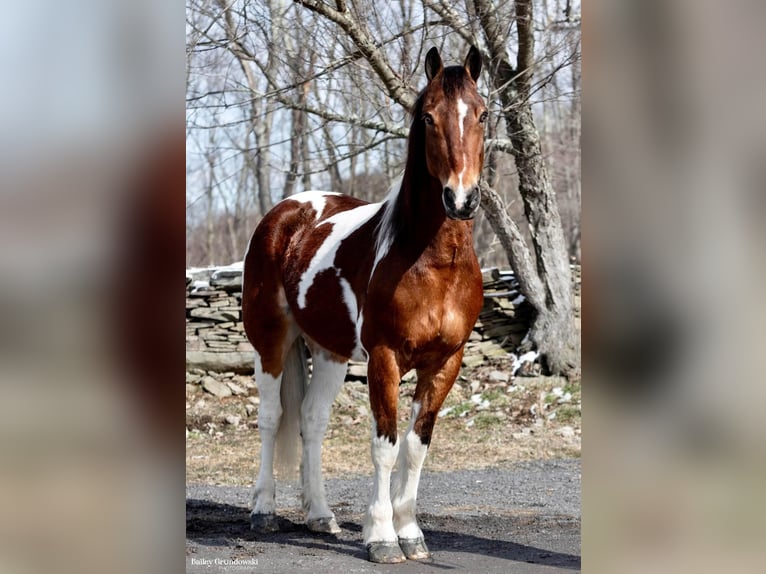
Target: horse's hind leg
{"points": [[326, 380], [263, 516]]}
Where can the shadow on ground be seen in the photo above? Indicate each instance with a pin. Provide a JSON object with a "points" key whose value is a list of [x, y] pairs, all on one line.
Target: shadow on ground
{"points": [[214, 524]]}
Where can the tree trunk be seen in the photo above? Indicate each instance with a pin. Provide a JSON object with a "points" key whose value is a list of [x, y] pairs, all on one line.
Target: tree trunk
{"points": [[549, 288]]}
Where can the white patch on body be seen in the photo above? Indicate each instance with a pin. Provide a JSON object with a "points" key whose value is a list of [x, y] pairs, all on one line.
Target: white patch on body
{"points": [[412, 454], [349, 298], [343, 225], [317, 199]]}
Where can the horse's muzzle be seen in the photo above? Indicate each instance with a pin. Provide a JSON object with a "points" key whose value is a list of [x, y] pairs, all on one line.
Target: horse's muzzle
{"points": [[461, 206]]}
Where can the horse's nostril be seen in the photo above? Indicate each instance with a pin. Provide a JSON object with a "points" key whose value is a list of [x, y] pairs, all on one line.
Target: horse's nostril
{"points": [[449, 198]]}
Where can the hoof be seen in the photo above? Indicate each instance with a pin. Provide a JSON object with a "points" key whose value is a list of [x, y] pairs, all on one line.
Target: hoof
{"points": [[414, 548], [326, 525], [264, 523], [385, 553]]}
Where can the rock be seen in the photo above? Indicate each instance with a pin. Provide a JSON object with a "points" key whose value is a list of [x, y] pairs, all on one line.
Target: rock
{"points": [[475, 386], [217, 388], [472, 360], [236, 389], [192, 378], [221, 315], [250, 409], [227, 279], [239, 362], [232, 420], [529, 369], [190, 389], [357, 370], [499, 377], [566, 432]]}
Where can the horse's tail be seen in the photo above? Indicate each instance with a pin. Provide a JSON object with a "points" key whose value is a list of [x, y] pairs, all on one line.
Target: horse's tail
{"points": [[292, 391]]}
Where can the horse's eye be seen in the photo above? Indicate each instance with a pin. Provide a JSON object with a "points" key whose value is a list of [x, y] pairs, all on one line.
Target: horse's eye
{"points": [[428, 119], [483, 117]]}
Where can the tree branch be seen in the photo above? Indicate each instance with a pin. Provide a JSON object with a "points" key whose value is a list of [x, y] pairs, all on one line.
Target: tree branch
{"points": [[396, 88], [346, 119], [524, 25], [448, 13]]}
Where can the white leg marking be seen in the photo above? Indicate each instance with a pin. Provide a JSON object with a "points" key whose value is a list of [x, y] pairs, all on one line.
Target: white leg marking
{"points": [[406, 480], [378, 524], [343, 225], [326, 380], [269, 413]]}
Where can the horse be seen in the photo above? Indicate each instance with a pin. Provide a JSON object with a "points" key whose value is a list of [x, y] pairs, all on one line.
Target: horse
{"points": [[395, 283]]}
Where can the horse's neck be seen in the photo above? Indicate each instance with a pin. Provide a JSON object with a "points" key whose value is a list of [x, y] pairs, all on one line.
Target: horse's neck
{"points": [[425, 227]]}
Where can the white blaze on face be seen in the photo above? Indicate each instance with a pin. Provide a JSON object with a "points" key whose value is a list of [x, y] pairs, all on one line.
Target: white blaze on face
{"points": [[460, 195], [462, 110]]}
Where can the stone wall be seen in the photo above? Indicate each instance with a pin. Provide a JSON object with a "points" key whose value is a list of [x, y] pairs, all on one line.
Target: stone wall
{"points": [[216, 341]]}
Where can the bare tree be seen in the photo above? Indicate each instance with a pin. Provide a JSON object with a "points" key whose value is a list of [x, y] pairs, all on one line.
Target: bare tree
{"points": [[325, 89]]}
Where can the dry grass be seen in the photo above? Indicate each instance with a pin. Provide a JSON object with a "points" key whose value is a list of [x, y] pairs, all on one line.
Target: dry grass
{"points": [[503, 424]]}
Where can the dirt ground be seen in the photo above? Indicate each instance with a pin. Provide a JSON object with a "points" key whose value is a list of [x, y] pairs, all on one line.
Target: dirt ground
{"points": [[488, 420]]}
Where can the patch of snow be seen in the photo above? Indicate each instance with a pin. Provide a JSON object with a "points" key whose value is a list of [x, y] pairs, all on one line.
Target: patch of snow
{"points": [[529, 357], [480, 402], [236, 266], [518, 300], [445, 411]]}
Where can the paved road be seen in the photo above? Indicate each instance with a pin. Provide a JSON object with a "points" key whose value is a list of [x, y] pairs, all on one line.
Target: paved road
{"points": [[525, 519]]}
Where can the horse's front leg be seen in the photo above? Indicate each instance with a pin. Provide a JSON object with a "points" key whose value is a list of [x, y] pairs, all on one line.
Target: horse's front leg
{"points": [[432, 388], [383, 378]]}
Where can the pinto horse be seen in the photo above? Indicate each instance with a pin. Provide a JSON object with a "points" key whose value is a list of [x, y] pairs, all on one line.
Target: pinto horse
{"points": [[395, 283]]}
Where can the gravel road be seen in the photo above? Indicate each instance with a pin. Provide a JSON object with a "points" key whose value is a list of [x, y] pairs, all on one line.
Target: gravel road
{"points": [[523, 519]]}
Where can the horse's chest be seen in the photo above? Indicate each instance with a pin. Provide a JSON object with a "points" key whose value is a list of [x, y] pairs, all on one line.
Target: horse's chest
{"points": [[425, 322]]}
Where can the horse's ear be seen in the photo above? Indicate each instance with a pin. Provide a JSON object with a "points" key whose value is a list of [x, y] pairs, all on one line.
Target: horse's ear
{"points": [[433, 63], [473, 63]]}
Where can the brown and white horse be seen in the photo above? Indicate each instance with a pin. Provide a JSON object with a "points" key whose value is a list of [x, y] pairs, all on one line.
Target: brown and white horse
{"points": [[396, 283]]}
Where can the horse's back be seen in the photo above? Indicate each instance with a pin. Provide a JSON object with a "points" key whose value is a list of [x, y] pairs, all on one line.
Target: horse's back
{"points": [[303, 261]]}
